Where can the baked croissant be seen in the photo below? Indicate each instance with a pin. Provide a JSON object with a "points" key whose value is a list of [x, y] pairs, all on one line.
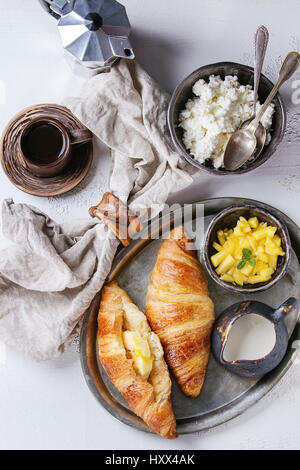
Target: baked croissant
{"points": [[133, 358], [180, 311]]}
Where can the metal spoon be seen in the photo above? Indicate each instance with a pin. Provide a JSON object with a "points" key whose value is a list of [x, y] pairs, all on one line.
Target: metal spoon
{"points": [[242, 144], [261, 40]]}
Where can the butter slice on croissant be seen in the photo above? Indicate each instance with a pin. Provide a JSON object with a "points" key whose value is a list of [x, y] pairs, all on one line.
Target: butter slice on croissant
{"points": [[180, 311], [132, 356]]}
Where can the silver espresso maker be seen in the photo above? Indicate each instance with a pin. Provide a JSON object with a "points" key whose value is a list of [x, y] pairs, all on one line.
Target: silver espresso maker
{"points": [[94, 33]]}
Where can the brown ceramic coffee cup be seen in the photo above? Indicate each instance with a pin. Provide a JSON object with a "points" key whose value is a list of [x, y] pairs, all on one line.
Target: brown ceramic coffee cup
{"points": [[46, 146]]}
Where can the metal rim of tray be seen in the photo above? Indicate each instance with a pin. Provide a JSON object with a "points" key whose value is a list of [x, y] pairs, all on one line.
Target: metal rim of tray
{"points": [[88, 341]]}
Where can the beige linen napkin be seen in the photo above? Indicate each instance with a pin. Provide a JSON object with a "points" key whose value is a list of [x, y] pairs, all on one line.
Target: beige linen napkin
{"points": [[127, 110], [50, 275]]}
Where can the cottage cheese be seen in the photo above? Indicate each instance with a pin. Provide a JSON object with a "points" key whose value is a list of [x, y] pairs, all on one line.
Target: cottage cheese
{"points": [[218, 109]]}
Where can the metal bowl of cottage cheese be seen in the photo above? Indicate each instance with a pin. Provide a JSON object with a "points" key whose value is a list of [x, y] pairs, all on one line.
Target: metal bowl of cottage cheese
{"points": [[210, 104]]}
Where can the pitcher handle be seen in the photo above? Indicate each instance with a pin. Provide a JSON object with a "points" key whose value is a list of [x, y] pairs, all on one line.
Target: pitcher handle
{"points": [[287, 307]]}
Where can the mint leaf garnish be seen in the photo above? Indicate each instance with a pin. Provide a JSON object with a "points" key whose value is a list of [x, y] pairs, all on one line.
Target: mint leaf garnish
{"points": [[252, 261], [247, 253], [241, 264]]}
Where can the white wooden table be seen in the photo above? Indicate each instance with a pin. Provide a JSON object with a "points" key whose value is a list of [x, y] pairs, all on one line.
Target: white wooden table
{"points": [[48, 405]]}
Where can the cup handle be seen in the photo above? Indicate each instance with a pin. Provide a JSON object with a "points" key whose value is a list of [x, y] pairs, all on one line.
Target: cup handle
{"points": [[80, 136]]}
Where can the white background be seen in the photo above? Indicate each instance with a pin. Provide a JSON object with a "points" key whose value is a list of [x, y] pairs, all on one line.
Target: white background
{"points": [[48, 405]]}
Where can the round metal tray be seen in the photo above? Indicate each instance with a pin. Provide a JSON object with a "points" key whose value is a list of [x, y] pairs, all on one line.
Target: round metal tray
{"points": [[224, 395]]}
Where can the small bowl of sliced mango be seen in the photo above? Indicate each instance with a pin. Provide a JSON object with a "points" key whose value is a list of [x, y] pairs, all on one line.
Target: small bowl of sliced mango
{"points": [[247, 249]]}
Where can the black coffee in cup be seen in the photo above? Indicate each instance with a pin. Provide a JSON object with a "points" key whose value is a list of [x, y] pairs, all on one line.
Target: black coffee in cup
{"points": [[46, 145], [43, 143]]}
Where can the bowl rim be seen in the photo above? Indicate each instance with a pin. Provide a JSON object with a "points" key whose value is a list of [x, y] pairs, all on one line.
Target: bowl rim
{"points": [[183, 153], [241, 289]]}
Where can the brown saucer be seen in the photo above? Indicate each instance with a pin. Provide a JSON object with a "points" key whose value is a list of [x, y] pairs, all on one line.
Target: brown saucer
{"points": [[11, 160]]}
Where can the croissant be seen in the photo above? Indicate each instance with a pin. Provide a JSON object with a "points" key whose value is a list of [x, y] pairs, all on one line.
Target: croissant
{"points": [[133, 358], [180, 311]]}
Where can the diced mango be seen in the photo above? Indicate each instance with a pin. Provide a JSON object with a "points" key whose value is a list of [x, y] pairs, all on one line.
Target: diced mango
{"points": [[260, 248], [253, 222], [229, 233], [217, 247], [244, 242], [258, 278], [245, 227], [227, 278], [264, 232], [277, 240], [229, 246], [272, 249], [221, 237], [240, 278], [253, 242], [247, 269], [266, 272], [263, 257], [218, 258], [273, 261], [272, 229], [260, 265], [226, 264], [238, 253], [237, 231]]}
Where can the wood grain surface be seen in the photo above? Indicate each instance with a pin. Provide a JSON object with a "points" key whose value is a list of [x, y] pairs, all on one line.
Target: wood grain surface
{"points": [[113, 213], [11, 160]]}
